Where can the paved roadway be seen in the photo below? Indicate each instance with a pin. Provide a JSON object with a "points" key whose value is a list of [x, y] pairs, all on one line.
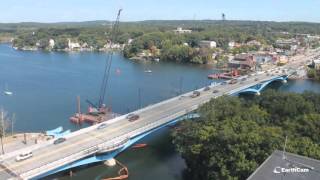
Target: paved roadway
{"points": [[52, 156]]}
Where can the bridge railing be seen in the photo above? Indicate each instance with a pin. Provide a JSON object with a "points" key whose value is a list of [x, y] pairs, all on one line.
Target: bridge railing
{"points": [[94, 149]]}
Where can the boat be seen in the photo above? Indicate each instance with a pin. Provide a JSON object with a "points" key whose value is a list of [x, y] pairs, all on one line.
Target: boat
{"points": [[8, 93], [148, 71], [136, 146]]}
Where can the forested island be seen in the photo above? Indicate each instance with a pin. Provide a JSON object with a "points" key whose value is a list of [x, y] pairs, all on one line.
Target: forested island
{"points": [[200, 42], [235, 135]]}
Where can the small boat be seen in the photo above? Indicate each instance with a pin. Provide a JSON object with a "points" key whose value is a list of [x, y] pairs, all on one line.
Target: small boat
{"points": [[8, 93], [136, 146], [148, 71]]}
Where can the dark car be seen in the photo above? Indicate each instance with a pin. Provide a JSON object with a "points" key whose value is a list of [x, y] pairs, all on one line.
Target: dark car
{"points": [[256, 79], [133, 117], [59, 140], [215, 91], [195, 94], [102, 126], [206, 88]]}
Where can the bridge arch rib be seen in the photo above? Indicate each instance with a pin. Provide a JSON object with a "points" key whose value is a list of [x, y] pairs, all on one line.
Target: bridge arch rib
{"points": [[106, 156], [256, 89]]}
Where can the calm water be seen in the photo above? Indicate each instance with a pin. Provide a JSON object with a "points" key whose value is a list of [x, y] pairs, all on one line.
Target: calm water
{"points": [[45, 86]]}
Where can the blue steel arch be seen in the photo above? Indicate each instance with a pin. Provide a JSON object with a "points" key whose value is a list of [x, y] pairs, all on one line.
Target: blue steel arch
{"points": [[103, 157], [256, 89]]}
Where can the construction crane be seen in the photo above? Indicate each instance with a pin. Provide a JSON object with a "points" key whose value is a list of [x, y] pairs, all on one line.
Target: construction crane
{"points": [[113, 38]]}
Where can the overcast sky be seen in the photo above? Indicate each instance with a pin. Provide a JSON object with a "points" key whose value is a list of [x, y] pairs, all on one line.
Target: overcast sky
{"points": [[134, 10]]}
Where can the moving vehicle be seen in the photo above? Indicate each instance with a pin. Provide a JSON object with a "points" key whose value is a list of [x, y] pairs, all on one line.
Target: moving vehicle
{"points": [[24, 156], [195, 94], [59, 140], [207, 88], [256, 79], [102, 126], [133, 117], [233, 81], [215, 91], [223, 83]]}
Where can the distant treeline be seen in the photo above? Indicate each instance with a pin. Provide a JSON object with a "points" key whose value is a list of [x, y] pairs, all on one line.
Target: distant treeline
{"points": [[156, 36]]}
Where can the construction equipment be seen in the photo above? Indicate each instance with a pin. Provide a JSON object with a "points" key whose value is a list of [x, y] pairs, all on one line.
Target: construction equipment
{"points": [[99, 112], [105, 80]]}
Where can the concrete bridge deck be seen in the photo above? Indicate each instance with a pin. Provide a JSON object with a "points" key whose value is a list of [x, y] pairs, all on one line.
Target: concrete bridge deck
{"points": [[88, 141], [76, 147]]}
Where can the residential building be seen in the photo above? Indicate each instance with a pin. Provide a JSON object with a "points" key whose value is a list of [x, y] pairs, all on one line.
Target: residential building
{"points": [[253, 43], [51, 43], [73, 46], [284, 165], [282, 59], [208, 44], [179, 30], [242, 61]]}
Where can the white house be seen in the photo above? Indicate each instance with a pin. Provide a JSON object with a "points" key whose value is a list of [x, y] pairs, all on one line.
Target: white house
{"points": [[179, 30], [72, 45], [51, 43], [208, 44]]}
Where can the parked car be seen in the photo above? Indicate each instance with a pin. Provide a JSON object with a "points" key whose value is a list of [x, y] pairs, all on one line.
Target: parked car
{"points": [[256, 79], [207, 88], [24, 156], [215, 91], [133, 117], [102, 126], [59, 140], [243, 79]]}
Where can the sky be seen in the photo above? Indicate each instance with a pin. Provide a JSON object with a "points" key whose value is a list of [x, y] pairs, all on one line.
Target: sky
{"points": [[136, 10]]}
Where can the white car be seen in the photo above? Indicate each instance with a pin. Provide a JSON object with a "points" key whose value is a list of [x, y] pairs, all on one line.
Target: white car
{"points": [[24, 156]]}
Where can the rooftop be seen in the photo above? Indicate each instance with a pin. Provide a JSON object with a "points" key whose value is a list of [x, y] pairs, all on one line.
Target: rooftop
{"points": [[292, 167]]}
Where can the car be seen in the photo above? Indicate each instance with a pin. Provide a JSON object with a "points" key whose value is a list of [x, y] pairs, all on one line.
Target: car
{"points": [[207, 88], [223, 83], [102, 126], [243, 79], [195, 94], [133, 117], [59, 140], [256, 79], [233, 81], [215, 91], [24, 156]]}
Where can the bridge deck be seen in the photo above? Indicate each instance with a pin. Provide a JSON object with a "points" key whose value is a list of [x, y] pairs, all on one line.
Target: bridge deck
{"points": [[50, 156]]}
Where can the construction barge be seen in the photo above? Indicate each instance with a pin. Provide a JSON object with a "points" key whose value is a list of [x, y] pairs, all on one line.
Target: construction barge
{"points": [[94, 115]]}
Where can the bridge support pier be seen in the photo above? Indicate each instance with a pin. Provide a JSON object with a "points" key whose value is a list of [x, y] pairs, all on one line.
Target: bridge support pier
{"points": [[110, 162]]}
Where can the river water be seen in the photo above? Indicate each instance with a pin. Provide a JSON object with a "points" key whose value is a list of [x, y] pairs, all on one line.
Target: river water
{"points": [[45, 86]]}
